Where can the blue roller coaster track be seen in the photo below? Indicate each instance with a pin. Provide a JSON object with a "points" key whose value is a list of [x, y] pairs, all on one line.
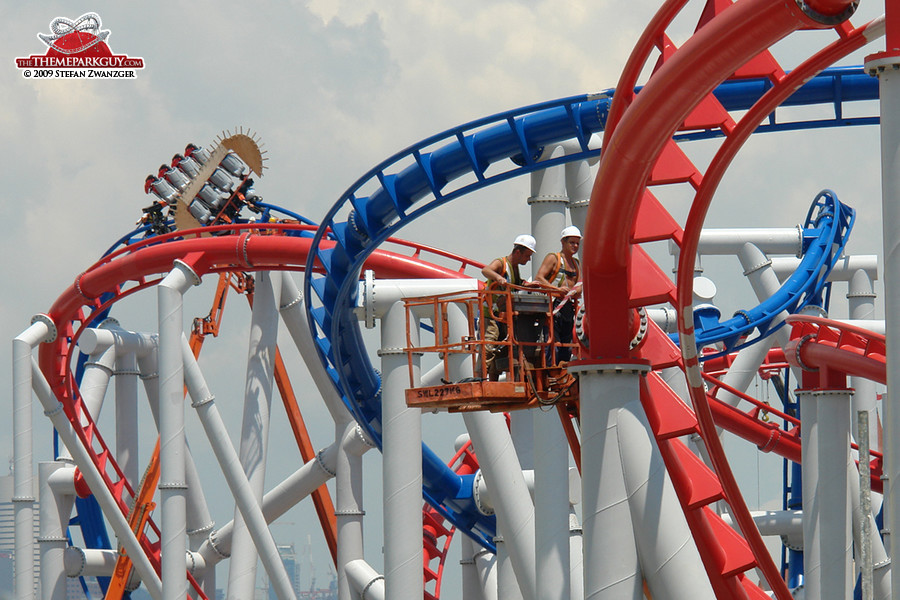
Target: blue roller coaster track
{"points": [[463, 159]]}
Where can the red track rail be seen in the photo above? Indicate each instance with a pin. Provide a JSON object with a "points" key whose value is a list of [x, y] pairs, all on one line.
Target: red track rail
{"points": [[139, 266], [819, 344], [639, 152]]}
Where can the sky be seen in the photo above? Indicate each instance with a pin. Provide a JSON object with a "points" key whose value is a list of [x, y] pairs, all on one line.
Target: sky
{"points": [[333, 87]]}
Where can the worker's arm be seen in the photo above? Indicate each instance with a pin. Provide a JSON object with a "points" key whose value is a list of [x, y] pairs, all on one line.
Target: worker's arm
{"points": [[545, 269], [492, 272]]}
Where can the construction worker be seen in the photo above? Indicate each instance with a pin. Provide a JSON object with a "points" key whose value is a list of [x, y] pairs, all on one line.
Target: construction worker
{"points": [[562, 270], [499, 273]]}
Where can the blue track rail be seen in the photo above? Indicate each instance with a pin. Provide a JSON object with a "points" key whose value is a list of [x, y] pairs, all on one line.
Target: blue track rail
{"points": [[458, 161], [825, 233]]}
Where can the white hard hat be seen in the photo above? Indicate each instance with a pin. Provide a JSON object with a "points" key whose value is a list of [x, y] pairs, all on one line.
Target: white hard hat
{"points": [[570, 231], [526, 241]]}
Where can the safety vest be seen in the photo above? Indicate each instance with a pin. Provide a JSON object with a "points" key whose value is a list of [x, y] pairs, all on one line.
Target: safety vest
{"points": [[514, 278], [559, 273]]}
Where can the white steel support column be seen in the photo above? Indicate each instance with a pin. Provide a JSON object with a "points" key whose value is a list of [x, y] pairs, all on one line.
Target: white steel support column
{"points": [[551, 448], [172, 481], [809, 433], [743, 370], [348, 510], [302, 483], [508, 587], [478, 573], [98, 370], [669, 557], [827, 529], [579, 183], [576, 557], [198, 519], [861, 302], [87, 562], [366, 582], [881, 562], [838, 574], [607, 521], [509, 494], [886, 66], [471, 587], [758, 269], [134, 357], [294, 317], [459, 365], [402, 450], [127, 416], [130, 345], [486, 566], [245, 500], [548, 204], [55, 510], [551, 505], [41, 330], [54, 411], [258, 392]]}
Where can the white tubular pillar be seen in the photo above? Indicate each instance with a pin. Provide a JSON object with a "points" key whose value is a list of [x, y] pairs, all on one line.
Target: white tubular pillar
{"points": [[771, 240], [459, 365], [98, 370], [258, 392], [127, 416], [576, 560], [758, 269], [838, 575], [743, 370], [551, 448], [54, 411], [55, 509], [579, 182], [471, 587], [509, 493], [486, 567], [42, 329], [149, 366], [608, 527], [172, 482], [348, 510], [508, 587], [880, 561], [197, 518], [844, 269], [129, 348], [277, 501], [669, 557], [548, 204], [402, 450], [809, 433], [87, 562], [378, 296], [861, 301], [551, 504], [247, 504], [294, 317], [366, 581]]}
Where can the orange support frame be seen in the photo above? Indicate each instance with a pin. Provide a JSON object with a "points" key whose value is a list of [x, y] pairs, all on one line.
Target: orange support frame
{"points": [[530, 380]]}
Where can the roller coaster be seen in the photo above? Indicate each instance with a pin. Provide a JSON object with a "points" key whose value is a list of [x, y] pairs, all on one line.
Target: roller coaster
{"points": [[624, 489]]}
